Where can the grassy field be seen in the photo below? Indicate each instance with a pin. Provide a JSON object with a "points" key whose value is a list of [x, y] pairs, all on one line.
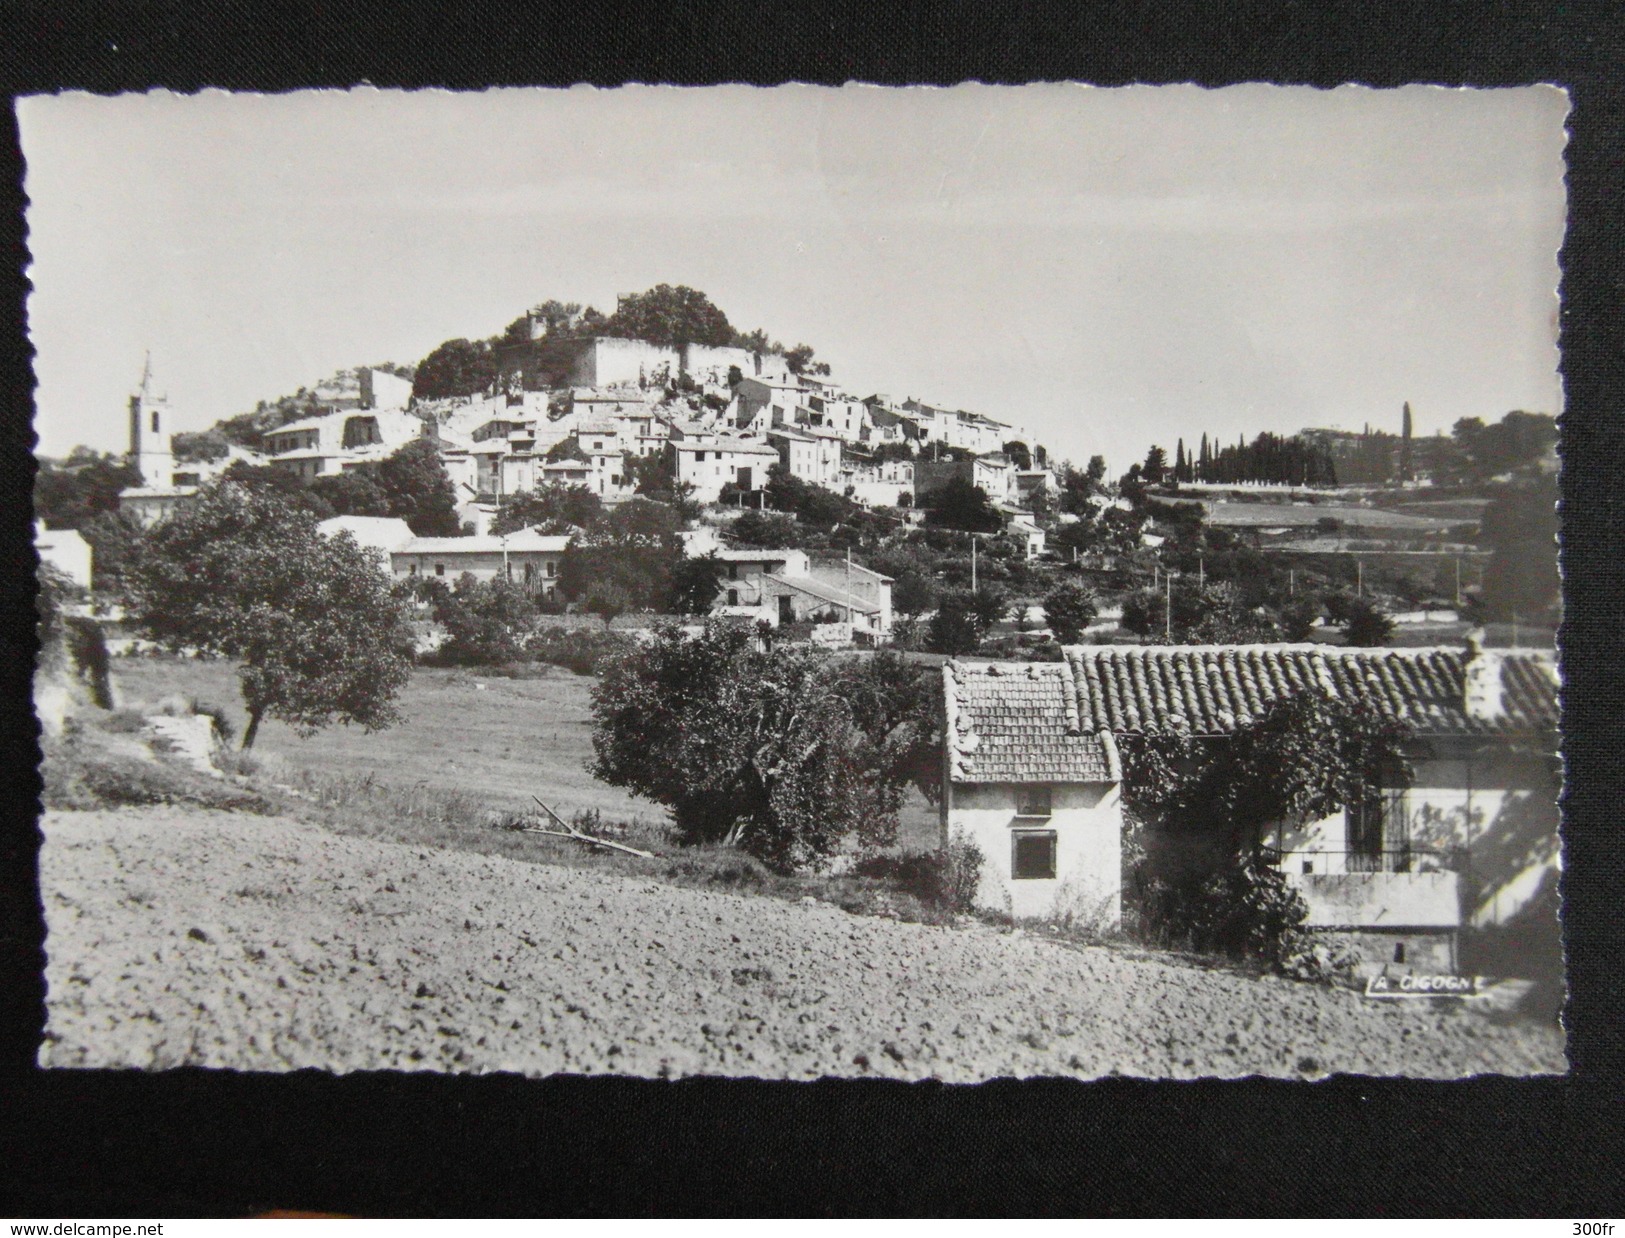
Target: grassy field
{"points": [[498, 739]]}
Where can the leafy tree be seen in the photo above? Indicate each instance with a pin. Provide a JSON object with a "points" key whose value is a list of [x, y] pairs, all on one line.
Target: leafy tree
{"points": [[1298, 619], [70, 493], [486, 622], [551, 508], [1069, 609], [769, 530], [1364, 624], [352, 493], [626, 561], [244, 574], [1517, 441], [913, 593], [417, 489], [1156, 464], [210, 444], [115, 544], [1201, 614], [1213, 804], [565, 449], [799, 360], [1019, 454], [695, 583], [671, 316], [899, 708], [455, 368], [960, 504], [962, 620], [814, 506], [283, 483], [747, 748]]}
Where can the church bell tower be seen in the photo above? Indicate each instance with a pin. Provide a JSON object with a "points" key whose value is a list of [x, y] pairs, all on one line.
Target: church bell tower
{"points": [[149, 432]]}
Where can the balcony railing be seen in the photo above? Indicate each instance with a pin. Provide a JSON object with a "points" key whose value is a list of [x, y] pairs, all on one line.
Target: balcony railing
{"points": [[1398, 860]]}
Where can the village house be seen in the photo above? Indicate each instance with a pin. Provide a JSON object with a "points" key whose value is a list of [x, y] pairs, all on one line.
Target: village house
{"points": [[1470, 847], [66, 551], [526, 558], [888, 483], [320, 446], [709, 461], [384, 534], [813, 455], [781, 587]]}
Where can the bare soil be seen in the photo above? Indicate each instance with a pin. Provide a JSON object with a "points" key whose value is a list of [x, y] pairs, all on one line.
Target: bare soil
{"points": [[183, 936]]}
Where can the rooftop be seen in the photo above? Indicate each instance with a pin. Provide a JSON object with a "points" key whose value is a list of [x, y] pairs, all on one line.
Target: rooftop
{"points": [[1214, 690], [513, 543], [1013, 722]]}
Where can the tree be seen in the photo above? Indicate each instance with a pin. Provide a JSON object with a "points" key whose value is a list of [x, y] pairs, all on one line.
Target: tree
{"points": [[1213, 804], [814, 506], [455, 368], [551, 508], [899, 707], [1364, 624], [959, 624], [626, 561], [115, 543], [1069, 608], [486, 622], [69, 493], [913, 593], [1019, 455], [960, 504], [1156, 464], [418, 491], [281, 482], [565, 449], [695, 583], [244, 574], [352, 493], [210, 444], [672, 316], [747, 748], [769, 530]]}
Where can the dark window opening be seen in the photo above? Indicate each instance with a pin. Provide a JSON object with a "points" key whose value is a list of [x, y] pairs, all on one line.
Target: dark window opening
{"points": [[1033, 855], [1399, 953], [439, 569], [155, 423], [1033, 801]]}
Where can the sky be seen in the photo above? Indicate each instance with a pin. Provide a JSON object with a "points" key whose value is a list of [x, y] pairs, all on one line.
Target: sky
{"points": [[1108, 268]]}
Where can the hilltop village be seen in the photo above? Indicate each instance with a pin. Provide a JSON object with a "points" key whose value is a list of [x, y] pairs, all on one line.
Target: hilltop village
{"points": [[1017, 638]]}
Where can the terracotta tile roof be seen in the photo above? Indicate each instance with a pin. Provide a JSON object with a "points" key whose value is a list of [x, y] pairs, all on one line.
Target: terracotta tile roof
{"points": [[1013, 722], [1212, 690]]}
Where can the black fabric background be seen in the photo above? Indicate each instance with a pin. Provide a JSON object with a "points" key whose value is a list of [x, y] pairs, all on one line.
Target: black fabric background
{"points": [[84, 1144]]}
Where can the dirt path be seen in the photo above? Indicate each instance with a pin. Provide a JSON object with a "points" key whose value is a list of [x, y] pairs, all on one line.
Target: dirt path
{"points": [[190, 937]]}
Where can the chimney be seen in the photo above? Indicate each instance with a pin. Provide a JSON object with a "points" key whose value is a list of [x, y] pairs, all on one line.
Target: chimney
{"points": [[1481, 680]]}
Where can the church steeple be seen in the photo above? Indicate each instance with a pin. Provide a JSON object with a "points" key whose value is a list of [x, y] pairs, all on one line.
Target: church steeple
{"points": [[149, 431]]}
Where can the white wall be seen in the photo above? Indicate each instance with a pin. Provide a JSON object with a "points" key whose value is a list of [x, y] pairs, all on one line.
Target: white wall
{"points": [[1088, 824]]}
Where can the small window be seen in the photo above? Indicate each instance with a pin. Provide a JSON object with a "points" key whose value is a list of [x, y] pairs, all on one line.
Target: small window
{"points": [[155, 422], [1399, 953], [1033, 855], [439, 569], [1032, 801], [413, 570], [733, 597]]}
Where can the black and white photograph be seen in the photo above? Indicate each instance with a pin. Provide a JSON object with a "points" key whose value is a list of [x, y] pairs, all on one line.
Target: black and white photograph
{"points": [[785, 583]]}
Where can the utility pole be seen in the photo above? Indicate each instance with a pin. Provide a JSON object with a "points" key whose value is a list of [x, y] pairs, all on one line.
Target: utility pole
{"points": [[973, 563], [1458, 582], [1292, 582], [1359, 578], [1168, 609], [1201, 572]]}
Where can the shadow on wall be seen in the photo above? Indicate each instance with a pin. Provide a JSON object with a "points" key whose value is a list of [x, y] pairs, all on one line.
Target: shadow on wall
{"points": [[1528, 946], [1511, 860]]}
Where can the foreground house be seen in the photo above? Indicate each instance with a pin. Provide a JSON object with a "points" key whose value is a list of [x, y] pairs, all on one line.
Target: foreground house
{"points": [[1469, 848]]}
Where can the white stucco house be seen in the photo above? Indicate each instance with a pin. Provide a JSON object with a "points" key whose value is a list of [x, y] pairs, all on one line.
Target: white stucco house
{"points": [[1465, 855], [65, 550]]}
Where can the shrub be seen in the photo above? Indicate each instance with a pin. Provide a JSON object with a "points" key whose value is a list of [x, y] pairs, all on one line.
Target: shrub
{"points": [[578, 650], [962, 874], [1242, 908]]}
